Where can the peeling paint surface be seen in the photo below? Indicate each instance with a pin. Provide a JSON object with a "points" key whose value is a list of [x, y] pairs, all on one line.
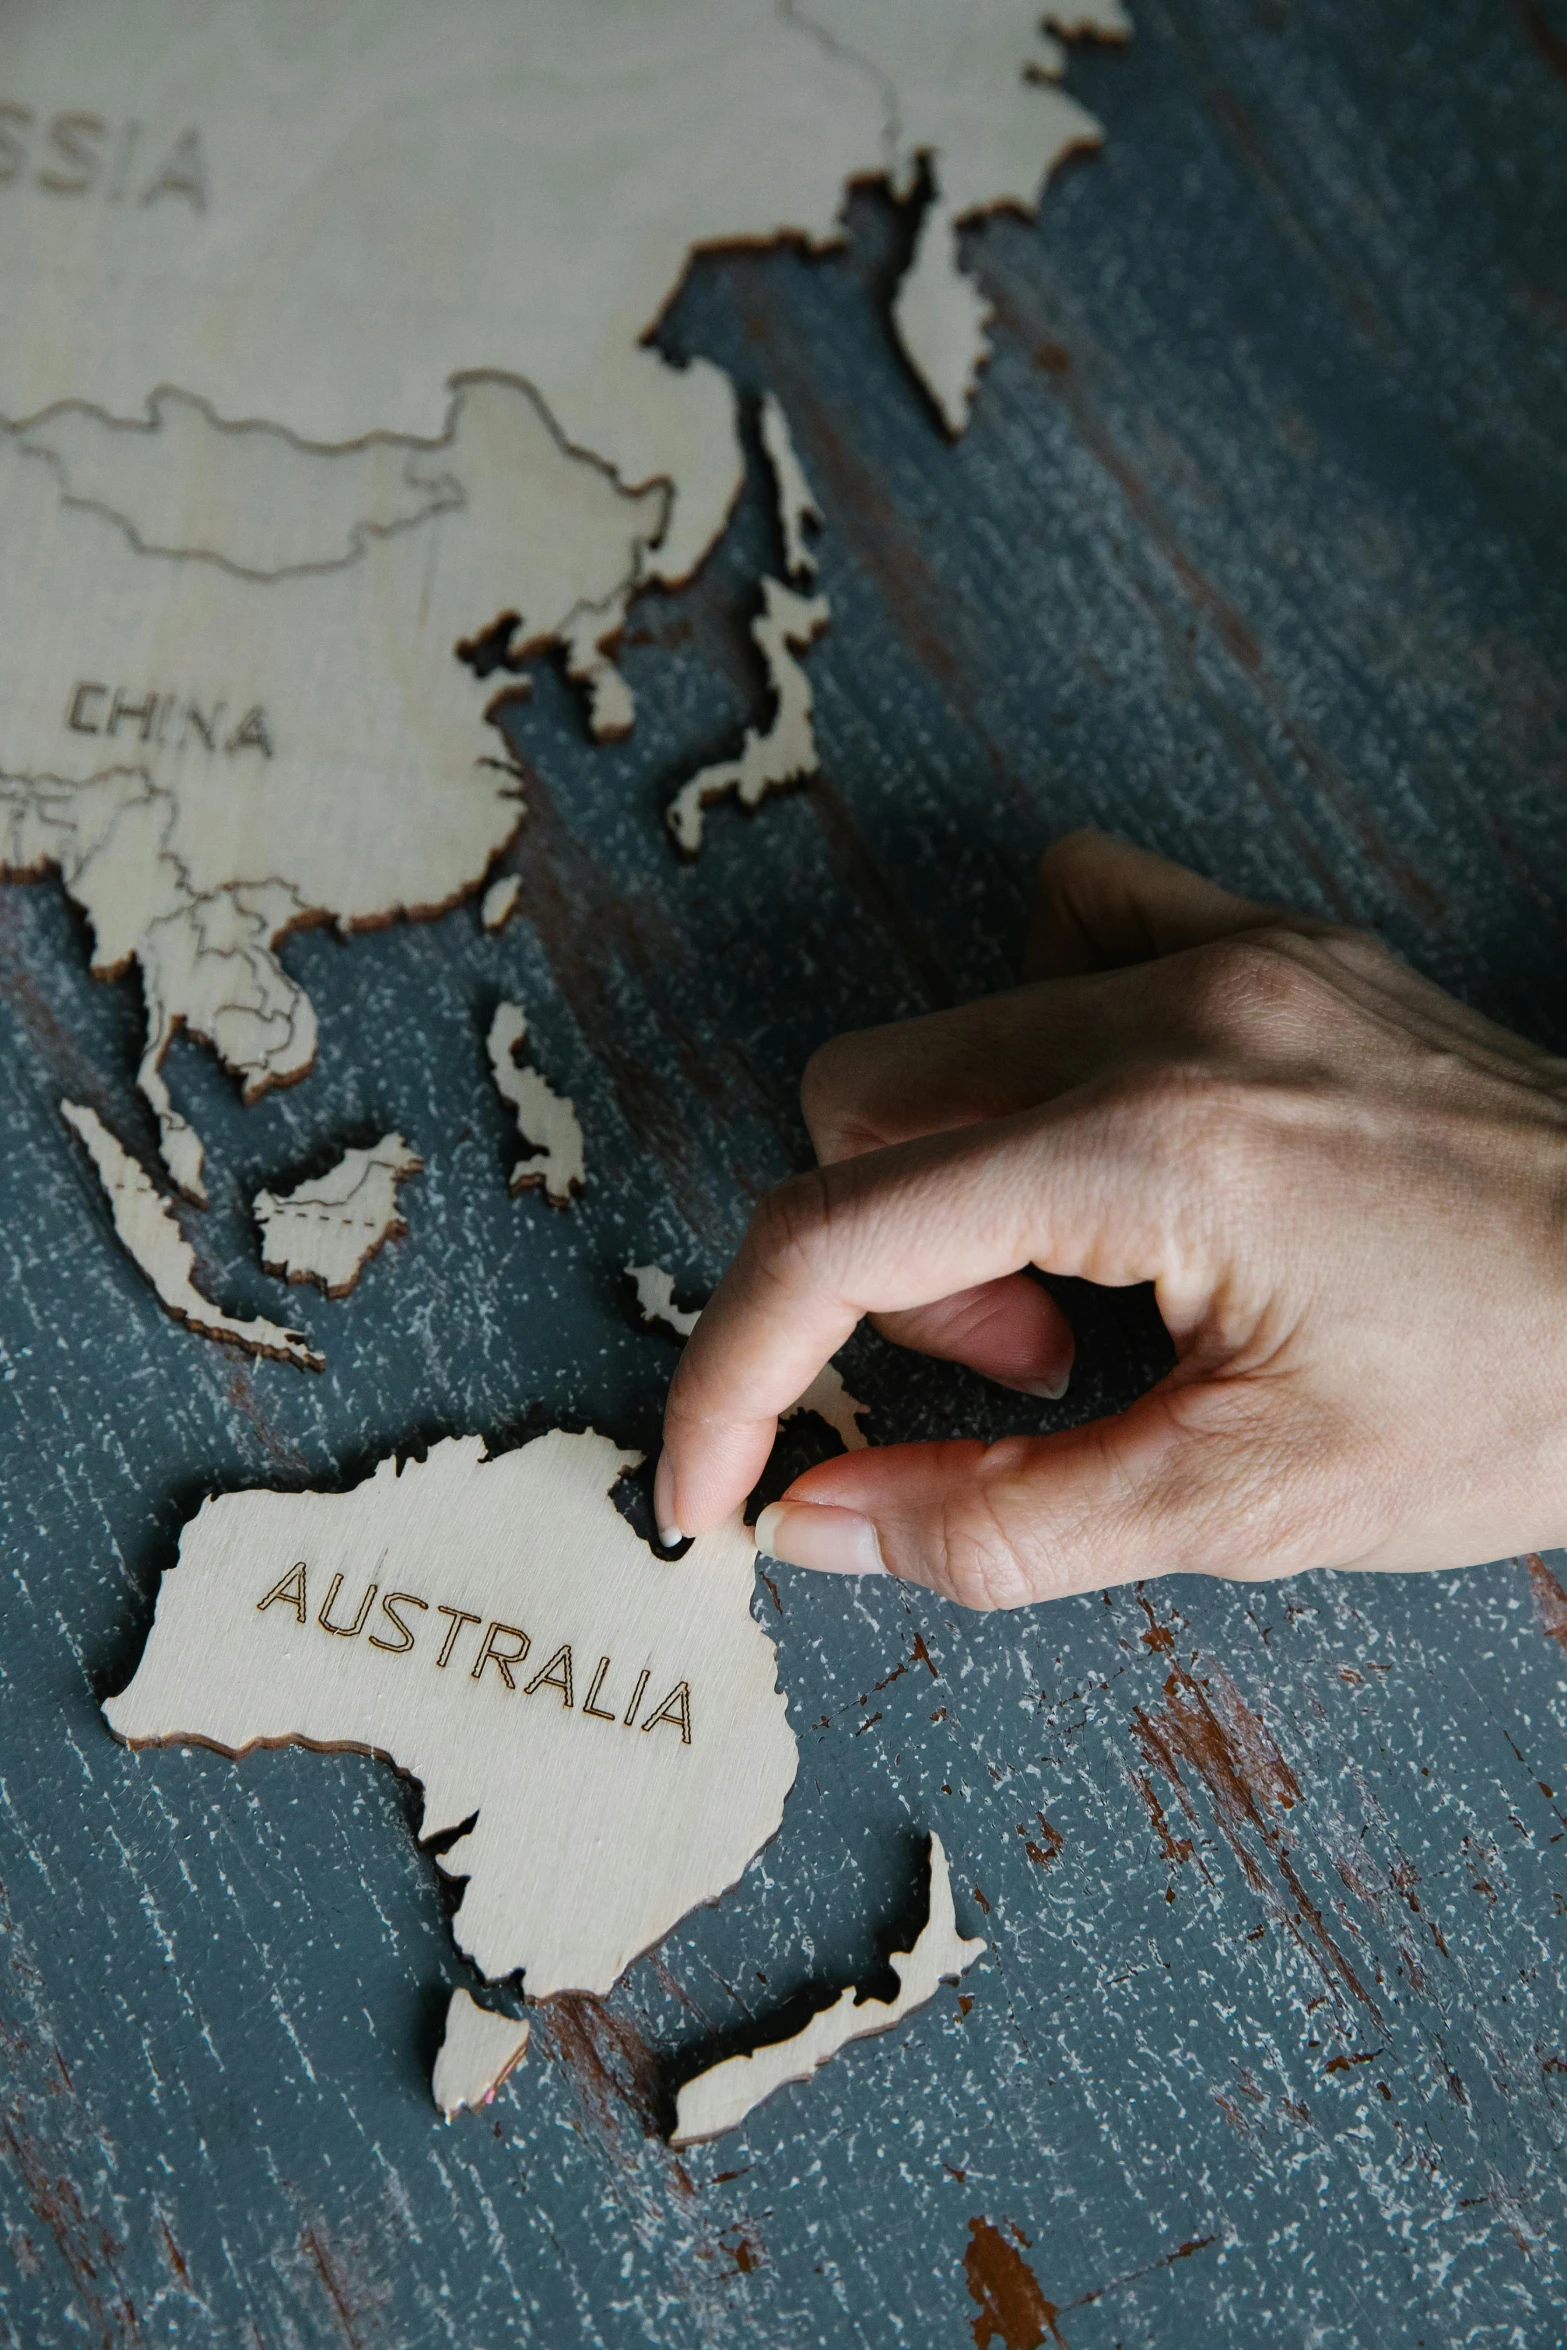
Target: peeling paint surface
{"points": [[1253, 550]]}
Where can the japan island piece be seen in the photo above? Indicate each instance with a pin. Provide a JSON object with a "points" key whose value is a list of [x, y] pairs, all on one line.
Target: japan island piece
{"points": [[478, 2050], [285, 423], [826, 1396], [783, 752], [145, 1224], [604, 1725], [719, 2100], [797, 505], [328, 1229], [545, 1119]]}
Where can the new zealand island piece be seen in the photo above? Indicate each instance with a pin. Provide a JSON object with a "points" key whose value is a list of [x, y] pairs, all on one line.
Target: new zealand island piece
{"points": [[479, 2050], [145, 1223], [544, 1118], [327, 1230], [720, 2100], [608, 1721], [826, 1396]]}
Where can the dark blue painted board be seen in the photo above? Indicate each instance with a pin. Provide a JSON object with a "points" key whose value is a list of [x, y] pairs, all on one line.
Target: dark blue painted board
{"points": [[1254, 551]]}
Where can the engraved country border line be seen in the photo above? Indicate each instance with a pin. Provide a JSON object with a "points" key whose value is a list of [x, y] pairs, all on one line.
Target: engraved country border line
{"points": [[416, 446]]}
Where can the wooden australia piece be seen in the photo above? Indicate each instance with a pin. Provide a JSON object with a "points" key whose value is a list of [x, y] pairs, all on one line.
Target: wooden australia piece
{"points": [[607, 1722]]}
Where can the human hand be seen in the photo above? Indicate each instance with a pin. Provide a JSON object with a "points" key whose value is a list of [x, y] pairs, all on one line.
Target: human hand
{"points": [[1349, 1191]]}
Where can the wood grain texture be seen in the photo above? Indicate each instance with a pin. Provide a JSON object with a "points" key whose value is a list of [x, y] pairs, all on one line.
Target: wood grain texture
{"points": [[1252, 550]]}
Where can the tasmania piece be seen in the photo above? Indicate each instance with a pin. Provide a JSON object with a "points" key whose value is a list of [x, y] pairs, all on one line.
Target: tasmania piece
{"points": [[500, 901], [606, 1722], [478, 2051], [327, 1230], [544, 1118], [720, 2100], [145, 1223]]}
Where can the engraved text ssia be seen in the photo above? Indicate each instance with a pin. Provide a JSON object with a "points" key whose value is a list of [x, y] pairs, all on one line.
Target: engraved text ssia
{"points": [[84, 154]]}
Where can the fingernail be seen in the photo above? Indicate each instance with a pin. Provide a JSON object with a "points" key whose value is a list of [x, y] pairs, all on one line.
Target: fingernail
{"points": [[669, 1533], [1042, 1390], [809, 1534]]}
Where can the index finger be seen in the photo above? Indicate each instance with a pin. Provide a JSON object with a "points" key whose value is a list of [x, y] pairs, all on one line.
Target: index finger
{"points": [[1076, 1187]]}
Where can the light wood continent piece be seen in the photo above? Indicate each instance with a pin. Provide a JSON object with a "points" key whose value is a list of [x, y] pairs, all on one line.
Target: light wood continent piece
{"points": [[971, 98], [524, 192], [145, 1223], [212, 756], [477, 2052], [656, 1297], [784, 752], [608, 1721], [264, 496], [719, 2100], [327, 1230], [545, 1118]]}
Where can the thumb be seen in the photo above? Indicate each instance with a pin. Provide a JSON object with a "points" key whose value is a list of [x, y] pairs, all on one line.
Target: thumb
{"points": [[1039, 1517]]}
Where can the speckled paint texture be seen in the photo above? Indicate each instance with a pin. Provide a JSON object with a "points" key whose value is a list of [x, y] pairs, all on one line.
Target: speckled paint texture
{"points": [[1254, 551]]}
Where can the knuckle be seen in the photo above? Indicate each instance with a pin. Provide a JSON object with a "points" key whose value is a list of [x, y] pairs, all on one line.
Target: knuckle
{"points": [[827, 1074], [1081, 851], [1361, 950], [1262, 984], [834, 1091], [977, 1558], [1237, 990], [1193, 1115], [792, 1223]]}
